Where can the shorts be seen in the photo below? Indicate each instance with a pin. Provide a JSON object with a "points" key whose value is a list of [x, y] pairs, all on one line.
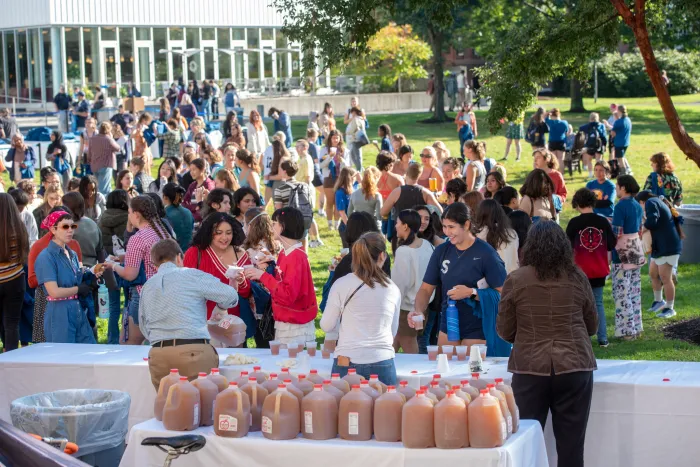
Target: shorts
{"points": [[557, 145], [672, 260], [620, 152], [404, 329], [133, 306], [594, 151], [470, 326], [329, 182]]}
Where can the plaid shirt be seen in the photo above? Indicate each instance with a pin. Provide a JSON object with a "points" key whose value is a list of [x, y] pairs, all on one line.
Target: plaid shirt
{"points": [[171, 142], [138, 251], [102, 152]]}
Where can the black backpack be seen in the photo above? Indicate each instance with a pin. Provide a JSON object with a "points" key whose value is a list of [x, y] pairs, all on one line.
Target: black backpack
{"points": [[593, 139], [299, 199]]}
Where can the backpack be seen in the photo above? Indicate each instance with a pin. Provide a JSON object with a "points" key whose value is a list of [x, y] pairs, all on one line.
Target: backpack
{"points": [[299, 199], [593, 139], [580, 142], [530, 134]]}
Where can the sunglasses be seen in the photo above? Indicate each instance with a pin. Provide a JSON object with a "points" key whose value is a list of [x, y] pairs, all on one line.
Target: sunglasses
{"points": [[426, 156], [67, 226]]}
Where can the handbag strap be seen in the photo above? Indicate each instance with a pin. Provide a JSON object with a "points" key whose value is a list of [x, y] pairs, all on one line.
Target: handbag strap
{"points": [[340, 318]]}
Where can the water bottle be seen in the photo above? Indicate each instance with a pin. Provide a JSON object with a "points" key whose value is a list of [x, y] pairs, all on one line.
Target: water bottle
{"points": [[103, 300], [452, 321]]}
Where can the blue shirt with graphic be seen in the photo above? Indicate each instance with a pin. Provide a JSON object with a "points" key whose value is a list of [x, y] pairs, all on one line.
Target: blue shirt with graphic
{"points": [[606, 196]]}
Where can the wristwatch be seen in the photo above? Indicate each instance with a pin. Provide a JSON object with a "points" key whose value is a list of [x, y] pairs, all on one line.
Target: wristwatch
{"points": [[473, 296]]}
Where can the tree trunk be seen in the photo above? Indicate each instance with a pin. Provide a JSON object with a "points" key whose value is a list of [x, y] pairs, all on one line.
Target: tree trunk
{"points": [[437, 39], [576, 97], [637, 22]]}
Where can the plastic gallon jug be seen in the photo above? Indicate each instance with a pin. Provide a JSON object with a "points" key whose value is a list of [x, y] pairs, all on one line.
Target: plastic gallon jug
{"points": [[218, 379], [332, 390], [387, 415], [477, 382], [510, 399], [504, 407], [294, 390], [339, 383], [355, 415], [376, 384], [242, 380], [165, 383], [314, 377], [417, 422], [207, 395], [437, 390], [319, 414], [369, 390], [232, 412], [461, 394], [469, 389], [352, 377], [432, 397], [260, 375], [280, 415], [285, 375], [304, 385], [406, 390], [487, 428], [451, 423], [273, 383], [181, 411], [257, 394]]}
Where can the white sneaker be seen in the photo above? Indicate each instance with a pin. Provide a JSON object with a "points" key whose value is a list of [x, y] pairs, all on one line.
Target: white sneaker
{"points": [[322, 213], [319, 242], [666, 313]]}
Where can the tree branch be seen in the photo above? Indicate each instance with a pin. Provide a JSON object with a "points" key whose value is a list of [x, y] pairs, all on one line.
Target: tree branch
{"points": [[539, 10], [624, 11], [640, 12], [610, 18]]}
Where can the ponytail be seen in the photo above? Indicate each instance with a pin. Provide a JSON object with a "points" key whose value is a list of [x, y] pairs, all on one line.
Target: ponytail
{"points": [[677, 218], [412, 219], [365, 254]]}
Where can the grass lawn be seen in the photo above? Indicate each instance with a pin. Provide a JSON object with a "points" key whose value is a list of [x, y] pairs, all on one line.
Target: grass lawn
{"points": [[650, 134]]}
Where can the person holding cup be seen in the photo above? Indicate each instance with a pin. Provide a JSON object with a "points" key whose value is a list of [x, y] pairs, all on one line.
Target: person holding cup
{"points": [[431, 178], [334, 157], [459, 266], [410, 263]]}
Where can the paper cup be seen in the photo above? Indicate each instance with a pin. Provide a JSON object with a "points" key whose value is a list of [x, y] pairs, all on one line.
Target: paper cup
{"points": [[448, 350], [433, 351], [418, 322]]}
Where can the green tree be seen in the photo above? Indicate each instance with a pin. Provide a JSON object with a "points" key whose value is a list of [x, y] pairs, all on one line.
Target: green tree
{"points": [[394, 53], [337, 32], [563, 42]]}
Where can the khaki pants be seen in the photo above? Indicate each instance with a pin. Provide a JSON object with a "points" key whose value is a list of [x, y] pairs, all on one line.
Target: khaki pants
{"points": [[189, 359]]}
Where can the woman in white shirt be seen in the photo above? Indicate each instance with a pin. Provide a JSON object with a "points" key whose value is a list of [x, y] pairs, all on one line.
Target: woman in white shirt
{"points": [[494, 229], [356, 126], [334, 156], [365, 306], [410, 263], [258, 139]]}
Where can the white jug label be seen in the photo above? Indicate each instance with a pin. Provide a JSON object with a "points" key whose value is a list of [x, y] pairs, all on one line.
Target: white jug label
{"points": [[196, 415], [228, 423], [504, 432], [308, 422], [266, 425], [510, 423], [353, 423]]}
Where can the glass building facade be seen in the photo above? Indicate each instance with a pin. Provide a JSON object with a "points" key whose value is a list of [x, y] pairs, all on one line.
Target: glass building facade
{"points": [[35, 61]]}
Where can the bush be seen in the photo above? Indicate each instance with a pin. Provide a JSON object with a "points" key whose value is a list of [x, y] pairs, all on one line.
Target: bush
{"points": [[625, 75]]}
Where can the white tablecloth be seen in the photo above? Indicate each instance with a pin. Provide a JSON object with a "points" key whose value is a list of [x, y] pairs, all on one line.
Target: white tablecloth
{"points": [[523, 449], [636, 419]]}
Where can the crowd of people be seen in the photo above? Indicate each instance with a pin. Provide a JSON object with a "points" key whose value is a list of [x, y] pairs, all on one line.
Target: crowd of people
{"points": [[459, 235]]}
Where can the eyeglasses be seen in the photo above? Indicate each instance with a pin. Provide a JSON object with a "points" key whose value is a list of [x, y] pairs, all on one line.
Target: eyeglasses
{"points": [[426, 156], [68, 226]]}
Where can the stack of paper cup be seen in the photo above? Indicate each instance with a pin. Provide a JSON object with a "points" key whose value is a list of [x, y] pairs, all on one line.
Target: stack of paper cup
{"points": [[475, 362], [443, 366]]}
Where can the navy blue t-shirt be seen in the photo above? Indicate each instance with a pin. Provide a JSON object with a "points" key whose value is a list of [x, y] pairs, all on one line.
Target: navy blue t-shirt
{"points": [[386, 145], [449, 267]]}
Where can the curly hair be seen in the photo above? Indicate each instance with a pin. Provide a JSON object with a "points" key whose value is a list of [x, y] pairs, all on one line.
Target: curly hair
{"points": [[664, 164], [259, 231], [384, 160], [249, 159], [477, 147], [491, 215], [548, 251], [584, 198], [551, 161], [215, 196], [369, 182], [204, 236], [145, 206]]}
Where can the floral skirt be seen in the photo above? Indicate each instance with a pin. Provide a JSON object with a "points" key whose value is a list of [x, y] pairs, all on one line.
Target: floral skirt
{"points": [[627, 294], [515, 131]]}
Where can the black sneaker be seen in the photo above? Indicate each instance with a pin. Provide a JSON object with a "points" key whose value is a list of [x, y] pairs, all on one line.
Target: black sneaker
{"points": [[603, 344]]}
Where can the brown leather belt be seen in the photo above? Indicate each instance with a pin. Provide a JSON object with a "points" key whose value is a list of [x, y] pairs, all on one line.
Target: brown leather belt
{"points": [[175, 342]]}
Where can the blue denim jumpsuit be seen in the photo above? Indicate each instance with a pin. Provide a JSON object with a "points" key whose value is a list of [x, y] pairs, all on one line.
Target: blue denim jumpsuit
{"points": [[65, 321]]}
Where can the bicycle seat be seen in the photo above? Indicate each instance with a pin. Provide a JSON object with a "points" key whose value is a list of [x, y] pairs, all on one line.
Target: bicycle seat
{"points": [[191, 443]]}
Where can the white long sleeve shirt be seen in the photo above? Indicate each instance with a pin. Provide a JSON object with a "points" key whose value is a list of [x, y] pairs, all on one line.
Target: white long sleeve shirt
{"points": [[258, 141], [369, 321], [408, 271]]}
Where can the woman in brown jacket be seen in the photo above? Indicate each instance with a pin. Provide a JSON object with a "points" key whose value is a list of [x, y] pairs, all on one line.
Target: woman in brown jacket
{"points": [[548, 312]]}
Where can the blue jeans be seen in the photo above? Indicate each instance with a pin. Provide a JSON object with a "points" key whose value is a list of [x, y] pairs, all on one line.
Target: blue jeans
{"points": [[206, 109], [385, 370], [115, 311], [104, 180], [424, 339], [602, 333]]}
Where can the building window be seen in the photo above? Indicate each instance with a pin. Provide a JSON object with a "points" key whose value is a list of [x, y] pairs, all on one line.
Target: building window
{"points": [[253, 57], [2, 70], [126, 56], [73, 55], [109, 33], [143, 34], [11, 66], [193, 62], [238, 34], [224, 42], [23, 71], [266, 34], [48, 64], [161, 62], [35, 63], [177, 34], [208, 34], [91, 53]]}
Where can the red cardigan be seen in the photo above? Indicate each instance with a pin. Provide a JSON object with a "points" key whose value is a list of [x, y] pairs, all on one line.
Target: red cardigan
{"points": [[559, 184], [292, 288], [211, 264]]}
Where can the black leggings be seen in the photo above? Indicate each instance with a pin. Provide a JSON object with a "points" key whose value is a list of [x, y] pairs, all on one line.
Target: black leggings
{"points": [[11, 302]]}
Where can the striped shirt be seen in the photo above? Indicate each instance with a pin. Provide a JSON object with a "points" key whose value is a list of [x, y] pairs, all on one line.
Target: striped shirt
{"points": [[12, 269], [138, 251], [174, 303]]}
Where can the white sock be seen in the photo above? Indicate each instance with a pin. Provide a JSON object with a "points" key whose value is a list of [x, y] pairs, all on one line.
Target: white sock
{"points": [[657, 295], [669, 304]]}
